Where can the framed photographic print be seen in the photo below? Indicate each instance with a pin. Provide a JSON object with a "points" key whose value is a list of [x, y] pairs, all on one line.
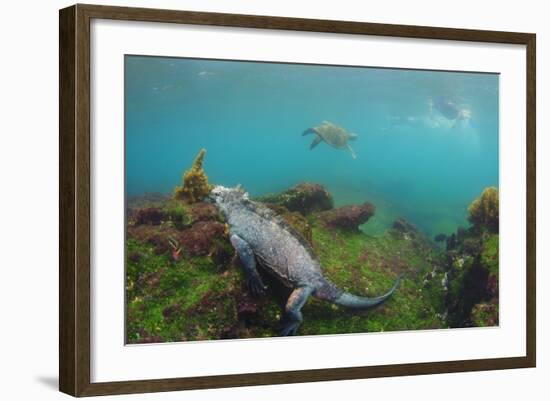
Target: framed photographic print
{"points": [[250, 200]]}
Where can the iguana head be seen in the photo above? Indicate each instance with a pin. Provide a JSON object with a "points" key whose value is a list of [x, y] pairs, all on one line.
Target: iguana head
{"points": [[225, 198]]}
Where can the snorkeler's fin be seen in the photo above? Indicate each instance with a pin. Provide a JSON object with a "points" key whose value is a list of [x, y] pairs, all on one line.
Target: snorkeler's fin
{"points": [[315, 142]]}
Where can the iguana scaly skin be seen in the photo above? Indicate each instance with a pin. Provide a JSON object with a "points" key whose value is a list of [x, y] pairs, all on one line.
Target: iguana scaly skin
{"points": [[259, 235]]}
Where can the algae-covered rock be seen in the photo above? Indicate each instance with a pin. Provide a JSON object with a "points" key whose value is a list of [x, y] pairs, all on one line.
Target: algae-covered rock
{"points": [[485, 314], [402, 226], [483, 211], [347, 217], [195, 182], [185, 283], [202, 294], [150, 215], [148, 199], [473, 280], [199, 239], [304, 198], [175, 227]]}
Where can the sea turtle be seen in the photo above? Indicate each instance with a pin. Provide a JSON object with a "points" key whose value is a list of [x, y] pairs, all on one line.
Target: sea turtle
{"points": [[332, 134]]}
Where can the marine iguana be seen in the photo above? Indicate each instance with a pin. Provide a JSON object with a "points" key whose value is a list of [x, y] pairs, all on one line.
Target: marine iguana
{"points": [[259, 235]]}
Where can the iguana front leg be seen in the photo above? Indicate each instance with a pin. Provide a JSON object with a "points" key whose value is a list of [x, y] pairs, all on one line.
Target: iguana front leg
{"points": [[292, 317], [253, 279]]}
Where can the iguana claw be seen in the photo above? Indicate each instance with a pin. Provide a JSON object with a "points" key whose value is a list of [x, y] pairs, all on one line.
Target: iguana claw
{"points": [[256, 287], [288, 329]]}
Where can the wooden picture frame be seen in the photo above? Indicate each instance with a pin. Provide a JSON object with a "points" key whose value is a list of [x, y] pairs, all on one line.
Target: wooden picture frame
{"points": [[74, 202]]}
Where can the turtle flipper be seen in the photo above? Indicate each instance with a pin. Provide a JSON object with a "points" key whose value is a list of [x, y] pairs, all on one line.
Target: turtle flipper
{"points": [[315, 142], [309, 131], [352, 152]]}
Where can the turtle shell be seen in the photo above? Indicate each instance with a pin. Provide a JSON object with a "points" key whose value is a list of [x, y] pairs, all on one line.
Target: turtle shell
{"points": [[333, 134]]}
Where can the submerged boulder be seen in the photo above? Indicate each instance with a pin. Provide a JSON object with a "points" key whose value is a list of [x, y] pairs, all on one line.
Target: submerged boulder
{"points": [[151, 215], [347, 217], [485, 314], [200, 240], [184, 283], [304, 198], [177, 227], [147, 199], [472, 267], [402, 226]]}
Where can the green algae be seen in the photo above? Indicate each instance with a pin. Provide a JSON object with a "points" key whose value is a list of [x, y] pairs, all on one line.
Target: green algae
{"points": [[197, 298], [178, 212], [176, 301], [204, 297], [368, 266], [489, 254]]}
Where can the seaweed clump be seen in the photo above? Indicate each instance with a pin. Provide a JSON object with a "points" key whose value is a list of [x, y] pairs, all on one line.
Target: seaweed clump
{"points": [[473, 266], [483, 211], [195, 182]]}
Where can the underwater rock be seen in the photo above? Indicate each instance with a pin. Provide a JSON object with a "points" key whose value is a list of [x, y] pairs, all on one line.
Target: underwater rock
{"points": [[483, 211], [451, 242], [304, 198], [183, 216], [169, 311], [151, 280], [199, 239], [247, 308], [148, 199], [148, 339], [134, 256], [472, 264], [183, 283], [178, 213], [195, 182], [467, 287], [204, 212], [471, 246], [347, 217], [492, 286], [157, 236], [473, 278], [404, 227], [440, 237], [222, 254], [192, 228], [152, 215], [485, 314]]}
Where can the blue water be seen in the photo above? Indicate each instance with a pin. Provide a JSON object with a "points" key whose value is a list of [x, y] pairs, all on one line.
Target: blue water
{"points": [[412, 160]]}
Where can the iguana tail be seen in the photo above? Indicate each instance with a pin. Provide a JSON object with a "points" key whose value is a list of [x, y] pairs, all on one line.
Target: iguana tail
{"points": [[353, 301]]}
